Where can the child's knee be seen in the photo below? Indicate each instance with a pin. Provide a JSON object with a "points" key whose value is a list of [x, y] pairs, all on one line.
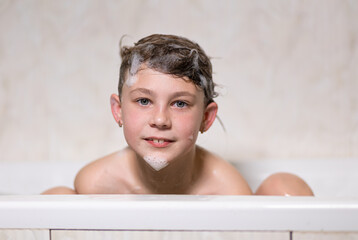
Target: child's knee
{"points": [[60, 190], [284, 184]]}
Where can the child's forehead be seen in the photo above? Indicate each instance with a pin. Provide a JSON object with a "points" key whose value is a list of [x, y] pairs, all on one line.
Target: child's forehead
{"points": [[149, 78], [143, 70], [151, 75]]}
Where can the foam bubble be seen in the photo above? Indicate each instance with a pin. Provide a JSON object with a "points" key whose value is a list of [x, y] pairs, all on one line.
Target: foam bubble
{"points": [[196, 58], [135, 65], [156, 163], [131, 80], [204, 82], [176, 46]]}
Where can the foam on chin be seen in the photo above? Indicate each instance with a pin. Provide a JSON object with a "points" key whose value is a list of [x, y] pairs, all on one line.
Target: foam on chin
{"points": [[156, 163]]}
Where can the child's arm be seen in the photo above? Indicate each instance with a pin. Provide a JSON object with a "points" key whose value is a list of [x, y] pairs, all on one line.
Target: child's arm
{"points": [[85, 181], [100, 176], [234, 182], [88, 178], [220, 177], [284, 184], [59, 190]]}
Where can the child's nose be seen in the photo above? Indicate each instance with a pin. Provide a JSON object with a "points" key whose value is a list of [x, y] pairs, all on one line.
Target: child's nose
{"points": [[161, 118]]}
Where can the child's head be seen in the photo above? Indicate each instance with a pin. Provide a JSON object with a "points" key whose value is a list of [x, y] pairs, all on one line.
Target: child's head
{"points": [[165, 98], [168, 54]]}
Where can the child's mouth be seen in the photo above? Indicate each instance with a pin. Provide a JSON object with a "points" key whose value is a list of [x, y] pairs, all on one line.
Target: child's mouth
{"points": [[159, 142]]}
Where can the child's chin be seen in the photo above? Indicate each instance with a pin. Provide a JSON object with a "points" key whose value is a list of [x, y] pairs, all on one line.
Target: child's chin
{"points": [[156, 162]]}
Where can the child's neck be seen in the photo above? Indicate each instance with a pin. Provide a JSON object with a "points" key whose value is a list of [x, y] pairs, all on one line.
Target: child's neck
{"points": [[176, 178]]}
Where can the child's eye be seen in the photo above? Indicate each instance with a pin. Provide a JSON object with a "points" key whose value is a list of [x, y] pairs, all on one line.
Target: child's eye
{"points": [[180, 104], [143, 101]]}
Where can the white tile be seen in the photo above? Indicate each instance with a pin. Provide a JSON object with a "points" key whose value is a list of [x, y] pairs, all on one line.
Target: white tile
{"points": [[324, 235], [24, 234]]}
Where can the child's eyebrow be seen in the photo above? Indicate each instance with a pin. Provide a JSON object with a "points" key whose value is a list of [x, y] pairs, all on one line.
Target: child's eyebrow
{"points": [[183, 93], [142, 90], [174, 95]]}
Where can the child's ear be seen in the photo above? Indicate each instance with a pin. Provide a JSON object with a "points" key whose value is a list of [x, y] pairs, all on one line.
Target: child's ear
{"points": [[209, 116], [116, 108]]}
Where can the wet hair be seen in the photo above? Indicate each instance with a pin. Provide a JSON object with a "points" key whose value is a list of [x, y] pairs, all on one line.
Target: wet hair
{"points": [[172, 55]]}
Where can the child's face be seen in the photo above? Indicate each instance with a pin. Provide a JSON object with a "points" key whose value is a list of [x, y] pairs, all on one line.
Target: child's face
{"points": [[162, 116]]}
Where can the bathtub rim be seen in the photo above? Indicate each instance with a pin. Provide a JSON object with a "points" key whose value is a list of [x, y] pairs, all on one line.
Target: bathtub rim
{"points": [[192, 213]]}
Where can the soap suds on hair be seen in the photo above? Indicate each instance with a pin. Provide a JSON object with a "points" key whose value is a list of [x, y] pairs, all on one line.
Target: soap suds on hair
{"points": [[156, 163], [135, 65], [131, 80], [196, 58], [203, 81]]}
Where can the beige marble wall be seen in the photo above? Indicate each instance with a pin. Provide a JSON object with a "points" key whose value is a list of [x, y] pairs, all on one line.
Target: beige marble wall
{"points": [[288, 70]]}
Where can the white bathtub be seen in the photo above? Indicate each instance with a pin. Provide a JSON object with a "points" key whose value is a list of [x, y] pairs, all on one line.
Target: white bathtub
{"points": [[333, 213]]}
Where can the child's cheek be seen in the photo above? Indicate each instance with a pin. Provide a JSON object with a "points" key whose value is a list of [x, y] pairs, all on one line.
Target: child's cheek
{"points": [[189, 128], [132, 124]]}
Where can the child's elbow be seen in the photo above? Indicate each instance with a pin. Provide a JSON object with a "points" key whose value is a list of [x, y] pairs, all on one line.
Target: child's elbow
{"points": [[59, 190], [284, 184]]}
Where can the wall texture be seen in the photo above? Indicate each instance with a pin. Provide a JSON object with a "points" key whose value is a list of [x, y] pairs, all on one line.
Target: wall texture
{"points": [[288, 72]]}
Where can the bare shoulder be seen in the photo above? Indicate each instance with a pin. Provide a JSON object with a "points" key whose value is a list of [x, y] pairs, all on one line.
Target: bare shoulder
{"points": [[224, 175], [93, 177]]}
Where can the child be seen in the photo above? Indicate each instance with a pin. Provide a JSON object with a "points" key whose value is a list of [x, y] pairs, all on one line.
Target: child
{"points": [[165, 98]]}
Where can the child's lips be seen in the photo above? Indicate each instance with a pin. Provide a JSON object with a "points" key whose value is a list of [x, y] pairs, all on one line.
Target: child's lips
{"points": [[158, 142]]}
